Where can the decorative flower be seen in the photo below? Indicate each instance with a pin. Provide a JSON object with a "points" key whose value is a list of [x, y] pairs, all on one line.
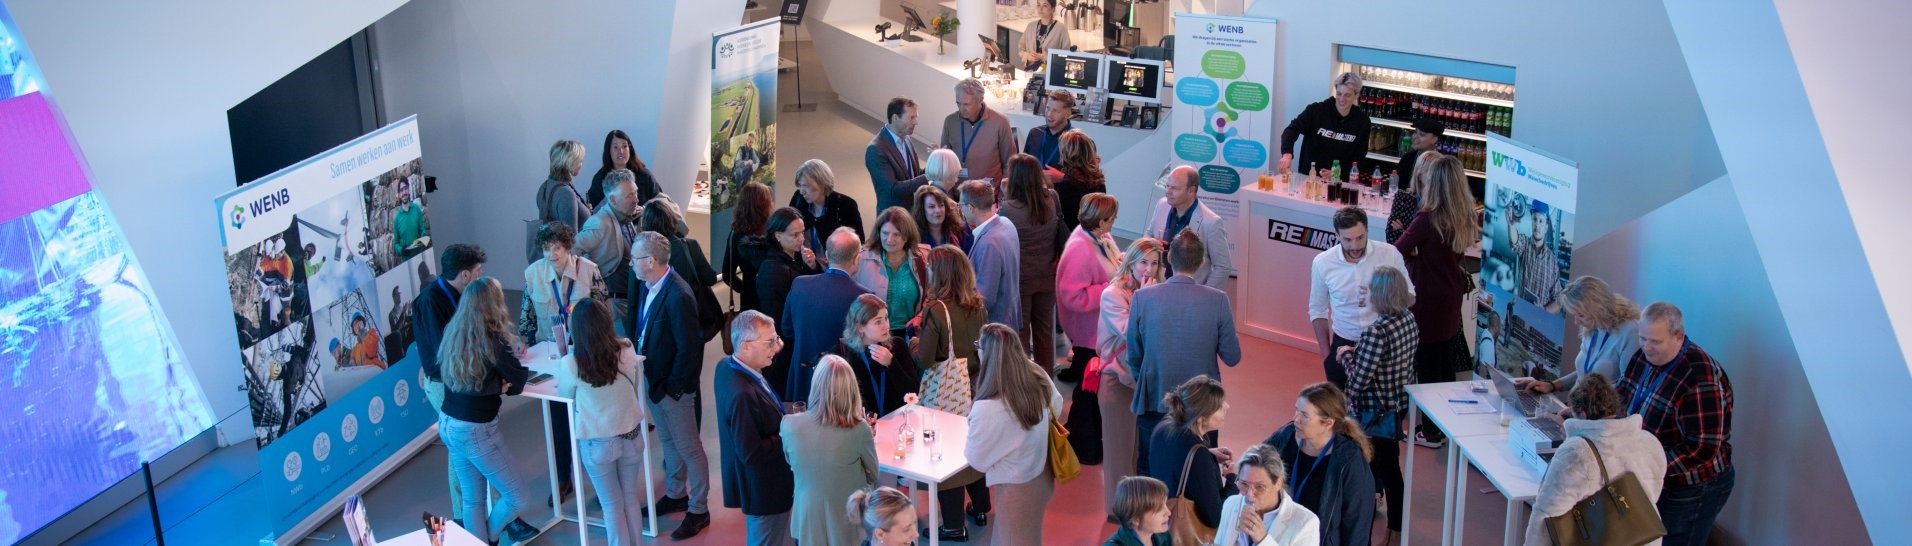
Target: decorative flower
{"points": [[910, 398]]}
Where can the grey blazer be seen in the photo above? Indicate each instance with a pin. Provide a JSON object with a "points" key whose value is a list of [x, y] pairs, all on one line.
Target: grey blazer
{"points": [[1177, 330], [1214, 232]]}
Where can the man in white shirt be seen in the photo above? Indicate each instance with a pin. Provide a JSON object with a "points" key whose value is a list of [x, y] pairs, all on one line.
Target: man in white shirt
{"points": [[1338, 289]]}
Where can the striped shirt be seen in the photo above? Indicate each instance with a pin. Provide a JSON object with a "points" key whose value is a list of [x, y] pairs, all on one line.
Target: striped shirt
{"points": [[1688, 405]]}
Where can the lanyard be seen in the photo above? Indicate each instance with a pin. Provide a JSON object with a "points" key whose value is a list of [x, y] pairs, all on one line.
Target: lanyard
{"points": [[1641, 391], [968, 137], [447, 290], [570, 287], [1325, 450], [880, 384], [1052, 143], [1600, 344]]}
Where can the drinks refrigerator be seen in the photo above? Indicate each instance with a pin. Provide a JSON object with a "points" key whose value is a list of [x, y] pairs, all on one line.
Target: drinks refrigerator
{"points": [[1469, 99]]}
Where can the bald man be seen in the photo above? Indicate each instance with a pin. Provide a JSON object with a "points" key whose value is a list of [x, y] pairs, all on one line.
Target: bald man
{"points": [[813, 316], [1181, 209]]}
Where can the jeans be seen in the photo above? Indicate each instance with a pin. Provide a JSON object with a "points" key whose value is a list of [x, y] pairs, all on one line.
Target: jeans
{"points": [[771, 530], [435, 394], [1688, 510], [478, 455], [686, 469], [616, 467]]}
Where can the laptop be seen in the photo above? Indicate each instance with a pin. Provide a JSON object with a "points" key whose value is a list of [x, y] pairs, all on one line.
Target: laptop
{"points": [[1519, 398]]}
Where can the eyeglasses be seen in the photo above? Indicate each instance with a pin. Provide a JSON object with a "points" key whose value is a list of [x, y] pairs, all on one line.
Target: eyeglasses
{"points": [[634, 259], [774, 340], [1257, 488]]}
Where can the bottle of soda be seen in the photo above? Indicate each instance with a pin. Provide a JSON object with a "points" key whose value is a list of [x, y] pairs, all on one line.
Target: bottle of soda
{"points": [[1335, 172]]}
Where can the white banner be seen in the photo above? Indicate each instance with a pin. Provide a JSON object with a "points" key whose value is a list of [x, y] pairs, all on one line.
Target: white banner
{"points": [[1526, 252], [1222, 123]]}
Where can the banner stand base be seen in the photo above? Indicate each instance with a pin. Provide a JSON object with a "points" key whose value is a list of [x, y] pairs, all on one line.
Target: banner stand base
{"points": [[800, 107], [311, 522]]}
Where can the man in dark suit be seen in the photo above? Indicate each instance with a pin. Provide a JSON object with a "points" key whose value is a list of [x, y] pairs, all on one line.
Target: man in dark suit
{"points": [[813, 316], [663, 319], [894, 168], [756, 476], [1178, 329], [431, 310]]}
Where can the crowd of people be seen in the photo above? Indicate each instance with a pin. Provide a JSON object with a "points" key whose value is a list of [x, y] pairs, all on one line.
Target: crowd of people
{"points": [[981, 262]]}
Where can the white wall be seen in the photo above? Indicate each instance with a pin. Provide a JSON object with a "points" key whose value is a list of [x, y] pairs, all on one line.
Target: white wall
{"points": [[496, 83], [145, 87]]}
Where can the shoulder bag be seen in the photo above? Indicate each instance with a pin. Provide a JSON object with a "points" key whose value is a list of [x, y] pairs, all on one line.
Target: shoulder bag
{"points": [[1182, 523], [1062, 456], [946, 384], [1619, 513]]}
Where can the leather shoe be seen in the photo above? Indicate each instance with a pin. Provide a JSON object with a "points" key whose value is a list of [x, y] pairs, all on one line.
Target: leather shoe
{"points": [[693, 523], [672, 505], [944, 534], [981, 518]]}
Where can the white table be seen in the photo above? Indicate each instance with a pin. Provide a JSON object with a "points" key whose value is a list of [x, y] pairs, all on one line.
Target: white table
{"points": [[1431, 400], [454, 536], [1496, 459], [917, 463], [546, 392]]}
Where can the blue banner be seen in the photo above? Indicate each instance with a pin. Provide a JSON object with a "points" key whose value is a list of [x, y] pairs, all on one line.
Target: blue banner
{"points": [[315, 462]]}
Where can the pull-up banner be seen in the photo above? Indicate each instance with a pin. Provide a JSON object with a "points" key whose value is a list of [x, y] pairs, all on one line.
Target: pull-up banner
{"points": [[1223, 122], [1526, 251], [323, 260]]}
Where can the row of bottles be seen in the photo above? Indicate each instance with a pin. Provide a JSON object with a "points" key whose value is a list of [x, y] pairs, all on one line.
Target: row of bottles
{"points": [[1455, 115]]}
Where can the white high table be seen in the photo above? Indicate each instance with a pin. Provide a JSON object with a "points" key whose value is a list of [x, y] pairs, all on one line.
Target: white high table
{"points": [[1503, 468], [929, 463], [546, 392], [1431, 400]]}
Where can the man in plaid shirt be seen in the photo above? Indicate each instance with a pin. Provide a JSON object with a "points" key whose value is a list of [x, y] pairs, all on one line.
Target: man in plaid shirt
{"points": [[1683, 397]]}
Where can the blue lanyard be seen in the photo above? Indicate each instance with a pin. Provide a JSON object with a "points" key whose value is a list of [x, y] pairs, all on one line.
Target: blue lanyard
{"points": [[1600, 344], [447, 290], [1325, 450], [570, 287], [1052, 143], [760, 382], [968, 138], [1641, 391], [880, 384]]}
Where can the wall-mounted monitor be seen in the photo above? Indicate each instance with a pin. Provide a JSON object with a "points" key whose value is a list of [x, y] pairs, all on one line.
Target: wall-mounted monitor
{"points": [[1072, 70], [1138, 80]]}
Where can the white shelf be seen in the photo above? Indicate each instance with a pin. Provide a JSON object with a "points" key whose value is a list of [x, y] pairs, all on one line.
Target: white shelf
{"points": [[1456, 133], [1441, 94], [1397, 161]]}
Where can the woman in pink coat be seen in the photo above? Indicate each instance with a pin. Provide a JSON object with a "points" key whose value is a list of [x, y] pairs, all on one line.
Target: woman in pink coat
{"points": [[1088, 261]]}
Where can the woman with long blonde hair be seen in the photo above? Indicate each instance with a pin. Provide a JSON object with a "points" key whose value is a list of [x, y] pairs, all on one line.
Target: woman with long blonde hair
{"points": [[480, 361], [831, 455], [1431, 248], [1009, 435], [1141, 266]]}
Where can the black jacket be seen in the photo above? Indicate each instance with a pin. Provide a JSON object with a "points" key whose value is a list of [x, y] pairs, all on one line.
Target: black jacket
{"points": [[647, 188], [756, 477], [775, 274], [671, 344], [741, 262], [1345, 498], [899, 378], [811, 323], [1330, 137], [688, 259], [481, 405], [1169, 447], [1069, 194], [838, 211], [431, 310]]}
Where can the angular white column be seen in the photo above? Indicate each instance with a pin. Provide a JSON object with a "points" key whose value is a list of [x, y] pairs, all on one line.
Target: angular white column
{"points": [[979, 18]]}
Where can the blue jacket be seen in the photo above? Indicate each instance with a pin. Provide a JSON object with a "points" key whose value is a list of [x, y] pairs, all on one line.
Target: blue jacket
{"points": [[756, 477], [672, 345], [812, 323], [997, 255], [1177, 330]]}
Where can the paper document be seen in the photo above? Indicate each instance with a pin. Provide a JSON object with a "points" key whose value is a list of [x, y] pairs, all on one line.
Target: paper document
{"points": [[1469, 405]]}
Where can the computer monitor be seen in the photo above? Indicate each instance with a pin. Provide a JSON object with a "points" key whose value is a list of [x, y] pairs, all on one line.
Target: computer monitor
{"points": [[1072, 70], [1138, 80]]}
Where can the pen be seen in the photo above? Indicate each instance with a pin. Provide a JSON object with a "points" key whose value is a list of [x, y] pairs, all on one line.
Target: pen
{"points": [[1463, 401]]}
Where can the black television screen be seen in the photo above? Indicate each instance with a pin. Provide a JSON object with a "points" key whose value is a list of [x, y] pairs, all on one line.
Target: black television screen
{"points": [[1138, 80], [1079, 71]]}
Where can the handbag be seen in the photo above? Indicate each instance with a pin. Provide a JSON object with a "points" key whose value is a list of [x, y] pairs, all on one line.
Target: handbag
{"points": [[1062, 456], [1182, 524], [945, 385], [1385, 425], [1619, 513], [730, 317]]}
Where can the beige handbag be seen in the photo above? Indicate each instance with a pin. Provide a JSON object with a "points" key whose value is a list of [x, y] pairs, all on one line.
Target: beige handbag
{"points": [[1182, 524], [946, 384], [1618, 514]]}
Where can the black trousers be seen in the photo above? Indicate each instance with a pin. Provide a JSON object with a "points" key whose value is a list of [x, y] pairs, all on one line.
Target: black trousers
{"points": [[1085, 414], [951, 502], [1438, 362], [1337, 374], [1387, 478]]}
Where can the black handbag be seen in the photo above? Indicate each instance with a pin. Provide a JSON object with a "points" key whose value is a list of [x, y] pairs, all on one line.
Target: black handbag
{"points": [[1618, 514]]}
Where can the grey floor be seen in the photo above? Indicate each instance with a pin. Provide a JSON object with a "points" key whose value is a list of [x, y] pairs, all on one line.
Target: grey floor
{"points": [[214, 502]]}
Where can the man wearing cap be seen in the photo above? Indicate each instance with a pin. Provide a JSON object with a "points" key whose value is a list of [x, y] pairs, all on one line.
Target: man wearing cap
{"points": [[1427, 134]]}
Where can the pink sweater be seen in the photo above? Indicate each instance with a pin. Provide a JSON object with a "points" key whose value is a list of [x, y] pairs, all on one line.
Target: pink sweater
{"points": [[1081, 274]]}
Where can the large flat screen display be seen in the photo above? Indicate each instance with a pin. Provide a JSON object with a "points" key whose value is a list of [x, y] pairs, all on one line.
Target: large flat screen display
{"points": [[92, 380], [1078, 71], [1138, 80]]}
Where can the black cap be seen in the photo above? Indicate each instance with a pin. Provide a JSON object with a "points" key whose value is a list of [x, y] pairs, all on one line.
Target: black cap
{"points": [[1430, 127]]}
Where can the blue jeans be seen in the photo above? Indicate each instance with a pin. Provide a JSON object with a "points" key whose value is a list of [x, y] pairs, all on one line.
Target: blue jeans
{"points": [[616, 467], [476, 452], [1688, 510], [686, 468], [435, 394]]}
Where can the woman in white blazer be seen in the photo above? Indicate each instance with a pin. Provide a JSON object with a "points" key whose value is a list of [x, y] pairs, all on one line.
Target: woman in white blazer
{"points": [[1574, 474], [1263, 511]]}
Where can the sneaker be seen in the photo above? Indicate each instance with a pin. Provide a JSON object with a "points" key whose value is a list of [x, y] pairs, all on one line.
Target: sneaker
{"points": [[1421, 439], [517, 532], [693, 523], [672, 505]]}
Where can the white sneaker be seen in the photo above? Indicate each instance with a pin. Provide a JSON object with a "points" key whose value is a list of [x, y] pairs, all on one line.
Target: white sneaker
{"points": [[1421, 440]]}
